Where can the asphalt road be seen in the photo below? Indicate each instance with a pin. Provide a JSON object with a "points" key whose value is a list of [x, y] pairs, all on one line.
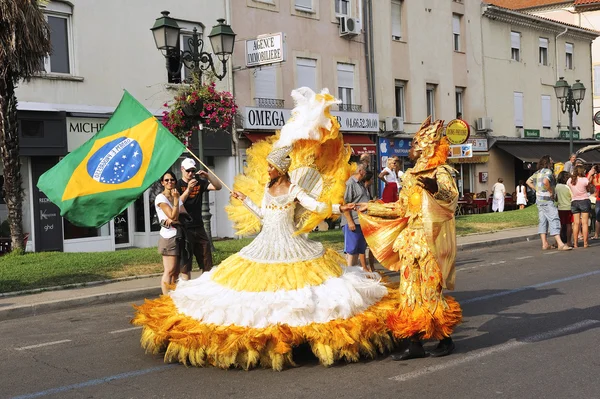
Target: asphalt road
{"points": [[531, 330]]}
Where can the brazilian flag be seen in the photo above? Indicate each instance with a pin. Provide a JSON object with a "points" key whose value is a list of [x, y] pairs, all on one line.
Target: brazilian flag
{"points": [[99, 180]]}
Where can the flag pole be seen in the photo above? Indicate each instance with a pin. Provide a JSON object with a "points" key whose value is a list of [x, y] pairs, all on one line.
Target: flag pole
{"points": [[209, 170]]}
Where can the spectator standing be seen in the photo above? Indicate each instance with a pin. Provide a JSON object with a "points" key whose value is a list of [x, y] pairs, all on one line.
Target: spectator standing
{"points": [[563, 202], [570, 164], [580, 204], [543, 183], [389, 175], [595, 178], [192, 186], [521, 194], [499, 191], [355, 244]]}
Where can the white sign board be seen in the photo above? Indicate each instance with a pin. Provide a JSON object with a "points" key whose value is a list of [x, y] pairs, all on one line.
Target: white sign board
{"points": [[265, 49], [258, 118], [461, 151], [478, 144], [80, 130]]}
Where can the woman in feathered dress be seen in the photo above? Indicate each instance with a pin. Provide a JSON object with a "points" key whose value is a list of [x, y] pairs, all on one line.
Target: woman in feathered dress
{"points": [[282, 290]]}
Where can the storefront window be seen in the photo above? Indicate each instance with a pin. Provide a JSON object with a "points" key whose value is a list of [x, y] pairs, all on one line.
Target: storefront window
{"points": [[72, 232], [138, 208]]}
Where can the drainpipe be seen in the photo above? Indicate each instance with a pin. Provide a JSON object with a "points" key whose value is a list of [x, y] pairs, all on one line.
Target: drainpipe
{"points": [[373, 93], [368, 49], [231, 86], [558, 110]]}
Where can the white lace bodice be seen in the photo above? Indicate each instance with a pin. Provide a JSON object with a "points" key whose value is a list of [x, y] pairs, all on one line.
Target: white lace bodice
{"points": [[276, 242]]}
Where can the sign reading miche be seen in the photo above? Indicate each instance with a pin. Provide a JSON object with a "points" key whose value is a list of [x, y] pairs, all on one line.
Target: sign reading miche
{"points": [[457, 131], [258, 118], [265, 49], [531, 133], [564, 134]]}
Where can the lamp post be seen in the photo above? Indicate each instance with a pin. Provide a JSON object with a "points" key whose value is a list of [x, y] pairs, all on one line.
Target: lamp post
{"points": [[570, 98], [166, 33]]}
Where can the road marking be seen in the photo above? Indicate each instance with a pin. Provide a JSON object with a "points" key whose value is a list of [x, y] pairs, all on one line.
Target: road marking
{"points": [[125, 330], [44, 344], [482, 265], [496, 349], [508, 292], [524, 257], [91, 383]]}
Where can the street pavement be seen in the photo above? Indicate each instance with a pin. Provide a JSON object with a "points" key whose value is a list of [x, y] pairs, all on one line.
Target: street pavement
{"points": [[132, 289], [530, 330]]}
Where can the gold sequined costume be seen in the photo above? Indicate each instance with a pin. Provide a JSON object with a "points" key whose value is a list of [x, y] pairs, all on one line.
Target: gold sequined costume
{"points": [[416, 236]]}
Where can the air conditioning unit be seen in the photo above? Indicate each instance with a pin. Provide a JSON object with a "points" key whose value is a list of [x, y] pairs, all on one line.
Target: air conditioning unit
{"points": [[394, 124], [483, 124], [349, 26]]}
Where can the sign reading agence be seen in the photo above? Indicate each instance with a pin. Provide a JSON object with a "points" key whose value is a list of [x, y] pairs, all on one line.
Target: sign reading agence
{"points": [[457, 131], [265, 49]]}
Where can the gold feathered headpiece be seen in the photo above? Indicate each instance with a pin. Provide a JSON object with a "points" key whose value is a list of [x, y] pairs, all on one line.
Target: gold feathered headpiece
{"points": [[428, 136], [280, 159]]}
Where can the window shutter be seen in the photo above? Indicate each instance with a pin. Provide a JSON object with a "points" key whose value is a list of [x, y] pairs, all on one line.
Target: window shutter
{"points": [[543, 42], [345, 74], [518, 103], [265, 82], [304, 4], [396, 19], [569, 48], [597, 80], [546, 111], [456, 24], [515, 40], [306, 69]]}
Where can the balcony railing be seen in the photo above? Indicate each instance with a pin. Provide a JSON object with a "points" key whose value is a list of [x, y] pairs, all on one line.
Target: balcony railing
{"points": [[269, 102], [349, 108]]}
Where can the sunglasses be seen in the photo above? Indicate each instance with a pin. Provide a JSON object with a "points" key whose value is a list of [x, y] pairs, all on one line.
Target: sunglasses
{"points": [[169, 180], [190, 171]]}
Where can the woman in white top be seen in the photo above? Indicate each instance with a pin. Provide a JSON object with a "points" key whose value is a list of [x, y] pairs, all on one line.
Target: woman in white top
{"points": [[389, 175], [521, 194], [168, 215], [499, 191]]}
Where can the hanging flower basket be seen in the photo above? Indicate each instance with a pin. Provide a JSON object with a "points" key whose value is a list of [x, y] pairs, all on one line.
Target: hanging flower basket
{"points": [[199, 104]]}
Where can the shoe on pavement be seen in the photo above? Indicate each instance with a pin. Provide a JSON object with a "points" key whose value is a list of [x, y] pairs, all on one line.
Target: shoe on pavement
{"points": [[444, 348], [414, 351]]}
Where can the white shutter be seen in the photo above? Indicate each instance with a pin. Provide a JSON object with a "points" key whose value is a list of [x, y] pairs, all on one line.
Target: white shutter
{"points": [[596, 80], [543, 42], [569, 48], [546, 111], [575, 122], [456, 24], [518, 102], [396, 19], [515, 40], [265, 82], [307, 4], [306, 69], [345, 76]]}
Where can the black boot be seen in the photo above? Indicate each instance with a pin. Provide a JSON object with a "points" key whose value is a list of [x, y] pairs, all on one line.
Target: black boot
{"points": [[414, 351], [444, 348]]}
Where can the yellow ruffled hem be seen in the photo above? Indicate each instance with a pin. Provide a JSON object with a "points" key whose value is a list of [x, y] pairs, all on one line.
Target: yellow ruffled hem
{"points": [[191, 342], [241, 274], [420, 322]]}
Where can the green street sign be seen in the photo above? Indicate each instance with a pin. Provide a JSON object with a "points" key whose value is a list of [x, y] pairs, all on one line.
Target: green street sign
{"points": [[531, 133], [564, 134], [597, 136]]}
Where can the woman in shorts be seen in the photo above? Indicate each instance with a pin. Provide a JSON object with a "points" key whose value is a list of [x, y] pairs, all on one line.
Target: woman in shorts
{"points": [[168, 206], [580, 204]]}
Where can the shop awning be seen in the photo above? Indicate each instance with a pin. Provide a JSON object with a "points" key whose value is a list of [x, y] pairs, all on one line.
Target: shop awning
{"points": [[254, 137], [481, 157], [532, 152], [360, 144]]}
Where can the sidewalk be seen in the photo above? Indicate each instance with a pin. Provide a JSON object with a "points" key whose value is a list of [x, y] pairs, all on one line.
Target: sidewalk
{"points": [[136, 289]]}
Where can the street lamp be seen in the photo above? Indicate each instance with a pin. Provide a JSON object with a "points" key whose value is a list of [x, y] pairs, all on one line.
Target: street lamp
{"points": [[166, 33], [222, 39], [570, 98]]}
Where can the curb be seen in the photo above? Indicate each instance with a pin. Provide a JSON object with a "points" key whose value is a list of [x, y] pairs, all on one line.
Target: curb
{"points": [[501, 241], [34, 309]]}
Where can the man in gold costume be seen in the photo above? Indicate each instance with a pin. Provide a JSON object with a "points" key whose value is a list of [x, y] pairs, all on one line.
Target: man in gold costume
{"points": [[417, 237]]}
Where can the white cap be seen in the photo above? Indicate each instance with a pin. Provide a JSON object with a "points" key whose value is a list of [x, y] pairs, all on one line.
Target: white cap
{"points": [[188, 163]]}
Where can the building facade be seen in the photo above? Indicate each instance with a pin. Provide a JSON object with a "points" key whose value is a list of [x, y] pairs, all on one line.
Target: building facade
{"points": [[286, 44], [97, 53]]}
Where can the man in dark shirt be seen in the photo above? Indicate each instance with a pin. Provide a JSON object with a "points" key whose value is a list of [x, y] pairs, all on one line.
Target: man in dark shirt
{"points": [[192, 186]]}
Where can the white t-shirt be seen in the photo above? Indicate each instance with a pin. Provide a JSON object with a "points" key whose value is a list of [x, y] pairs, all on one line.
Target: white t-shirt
{"points": [[165, 232], [391, 176]]}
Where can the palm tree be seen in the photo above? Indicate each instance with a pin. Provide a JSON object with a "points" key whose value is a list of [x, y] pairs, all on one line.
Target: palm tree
{"points": [[24, 42]]}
